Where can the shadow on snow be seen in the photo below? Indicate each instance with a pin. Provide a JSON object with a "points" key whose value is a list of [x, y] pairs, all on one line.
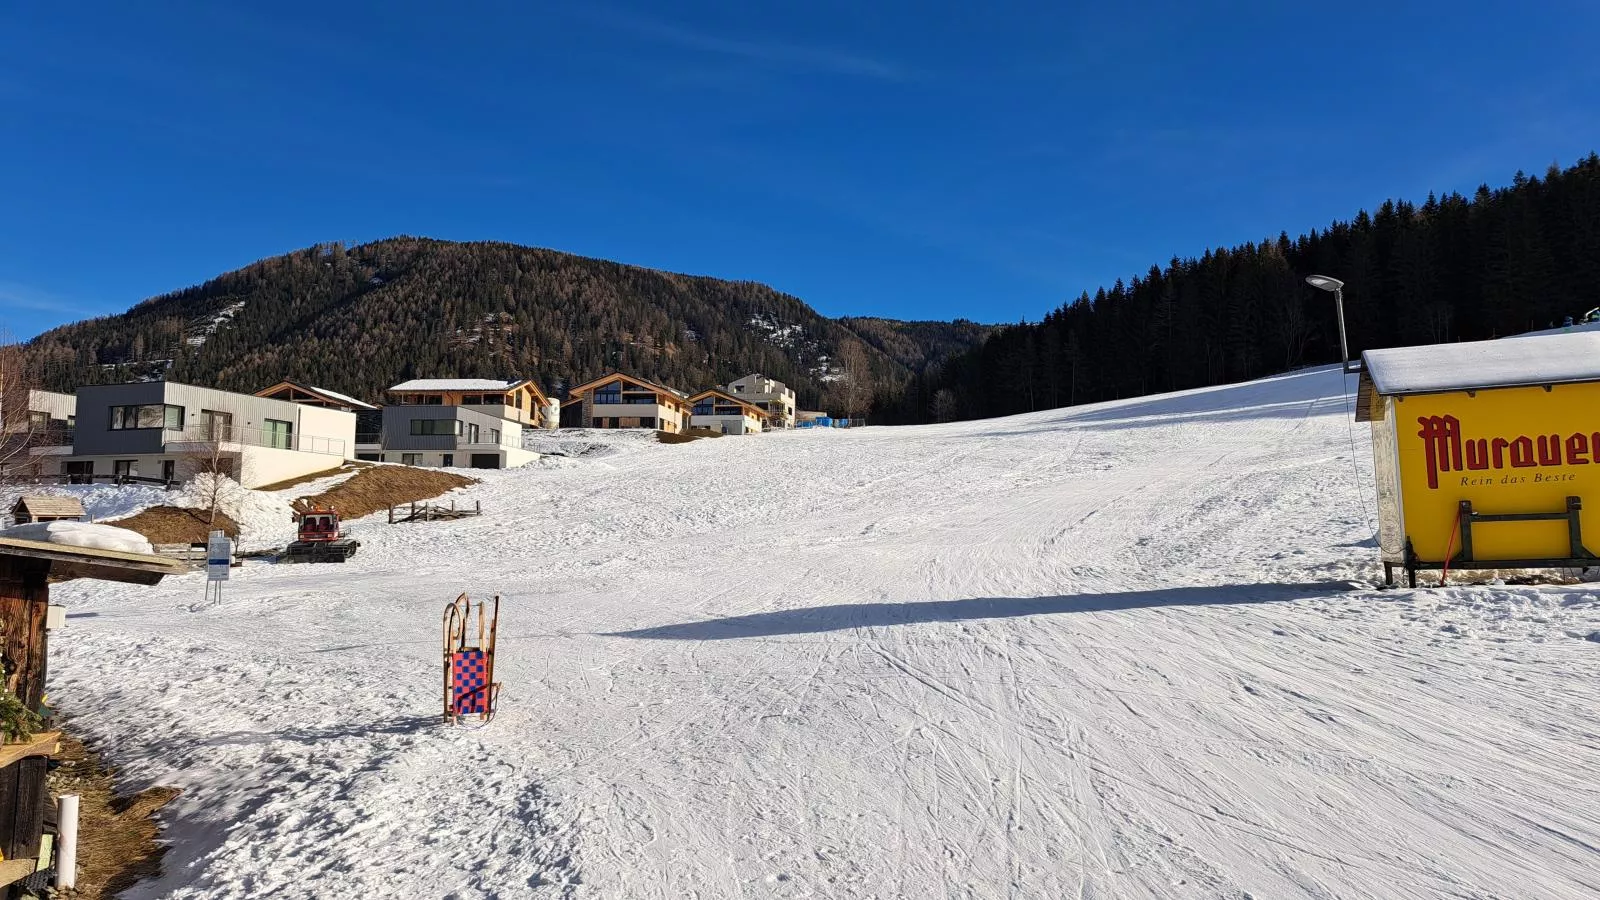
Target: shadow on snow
{"points": [[843, 616]]}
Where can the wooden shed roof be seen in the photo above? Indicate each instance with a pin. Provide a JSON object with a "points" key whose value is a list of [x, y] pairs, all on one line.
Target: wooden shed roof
{"points": [[47, 505]]}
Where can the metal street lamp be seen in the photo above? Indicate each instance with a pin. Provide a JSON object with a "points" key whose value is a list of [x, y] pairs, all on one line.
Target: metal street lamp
{"points": [[1337, 287]]}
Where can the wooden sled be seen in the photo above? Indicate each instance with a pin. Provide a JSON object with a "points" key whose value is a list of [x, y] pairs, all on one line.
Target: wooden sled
{"points": [[469, 685]]}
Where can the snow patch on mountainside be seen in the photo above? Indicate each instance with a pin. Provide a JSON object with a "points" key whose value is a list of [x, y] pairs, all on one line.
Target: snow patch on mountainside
{"points": [[201, 330]]}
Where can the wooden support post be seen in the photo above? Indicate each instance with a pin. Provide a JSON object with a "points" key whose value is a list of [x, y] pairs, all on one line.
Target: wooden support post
{"points": [[24, 600]]}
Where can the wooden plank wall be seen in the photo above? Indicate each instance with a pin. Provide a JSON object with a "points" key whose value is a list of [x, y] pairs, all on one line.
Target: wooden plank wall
{"points": [[24, 599]]}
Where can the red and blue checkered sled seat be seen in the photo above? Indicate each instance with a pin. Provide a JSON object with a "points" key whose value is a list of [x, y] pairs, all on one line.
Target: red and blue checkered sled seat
{"points": [[469, 683]]}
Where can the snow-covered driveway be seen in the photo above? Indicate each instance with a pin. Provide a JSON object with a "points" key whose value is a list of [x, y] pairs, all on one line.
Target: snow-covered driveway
{"points": [[1112, 651]]}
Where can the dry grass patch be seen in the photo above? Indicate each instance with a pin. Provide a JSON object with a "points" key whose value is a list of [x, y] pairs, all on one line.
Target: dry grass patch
{"points": [[376, 488], [117, 836], [175, 525]]}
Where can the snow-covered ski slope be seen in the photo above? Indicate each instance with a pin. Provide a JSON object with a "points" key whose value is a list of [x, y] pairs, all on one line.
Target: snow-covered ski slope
{"points": [[1118, 651]]}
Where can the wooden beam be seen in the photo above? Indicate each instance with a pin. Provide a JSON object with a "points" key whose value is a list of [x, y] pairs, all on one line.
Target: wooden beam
{"points": [[45, 743], [14, 870]]}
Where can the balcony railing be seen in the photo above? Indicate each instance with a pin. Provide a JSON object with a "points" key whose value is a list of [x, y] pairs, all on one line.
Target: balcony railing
{"points": [[255, 437]]}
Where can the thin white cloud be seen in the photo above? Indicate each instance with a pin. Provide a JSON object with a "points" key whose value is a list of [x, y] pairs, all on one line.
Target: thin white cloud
{"points": [[15, 296], [825, 60]]}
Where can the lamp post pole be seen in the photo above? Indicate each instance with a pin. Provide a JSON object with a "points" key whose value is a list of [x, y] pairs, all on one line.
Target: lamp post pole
{"points": [[1337, 287]]}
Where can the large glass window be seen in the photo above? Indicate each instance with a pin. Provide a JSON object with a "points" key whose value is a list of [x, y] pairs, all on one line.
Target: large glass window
{"points": [[280, 434], [152, 415], [217, 426], [449, 427], [609, 393]]}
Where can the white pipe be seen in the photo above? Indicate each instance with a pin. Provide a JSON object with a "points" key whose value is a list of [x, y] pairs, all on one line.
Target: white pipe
{"points": [[67, 834]]}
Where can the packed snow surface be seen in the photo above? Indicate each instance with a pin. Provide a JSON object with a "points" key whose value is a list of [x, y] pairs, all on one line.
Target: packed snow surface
{"points": [[80, 534], [1552, 359], [1119, 651]]}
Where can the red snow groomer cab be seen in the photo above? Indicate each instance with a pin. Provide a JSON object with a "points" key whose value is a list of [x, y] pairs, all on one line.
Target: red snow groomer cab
{"points": [[320, 538]]}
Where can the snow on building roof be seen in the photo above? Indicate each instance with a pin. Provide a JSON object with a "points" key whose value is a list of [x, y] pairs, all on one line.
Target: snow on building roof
{"points": [[454, 384], [1549, 359], [323, 393], [343, 398]]}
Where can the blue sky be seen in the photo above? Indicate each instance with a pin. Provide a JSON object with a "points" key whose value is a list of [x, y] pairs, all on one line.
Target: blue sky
{"points": [[909, 159]]}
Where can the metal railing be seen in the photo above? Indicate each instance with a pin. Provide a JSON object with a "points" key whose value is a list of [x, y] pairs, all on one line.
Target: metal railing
{"points": [[256, 437]]}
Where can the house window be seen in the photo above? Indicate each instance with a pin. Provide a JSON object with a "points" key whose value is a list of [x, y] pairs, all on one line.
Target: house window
{"points": [[411, 459], [647, 422], [123, 468], [79, 471], [38, 421], [449, 427], [432, 399], [279, 434], [472, 433], [151, 415], [494, 435], [447, 459], [169, 470], [216, 426], [738, 389], [611, 393], [471, 399]]}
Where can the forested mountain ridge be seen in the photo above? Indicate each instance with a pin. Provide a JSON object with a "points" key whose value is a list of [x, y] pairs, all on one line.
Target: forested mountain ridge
{"points": [[358, 319], [1455, 268]]}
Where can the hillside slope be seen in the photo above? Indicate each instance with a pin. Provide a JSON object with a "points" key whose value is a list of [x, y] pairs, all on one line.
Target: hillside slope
{"points": [[361, 318], [1119, 651]]}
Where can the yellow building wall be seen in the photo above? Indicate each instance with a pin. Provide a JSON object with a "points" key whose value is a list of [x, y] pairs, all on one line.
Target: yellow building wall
{"points": [[1508, 450]]}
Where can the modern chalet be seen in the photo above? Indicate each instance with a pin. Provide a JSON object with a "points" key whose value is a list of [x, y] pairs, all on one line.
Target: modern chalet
{"points": [[622, 401], [721, 411], [775, 397], [458, 422], [168, 432]]}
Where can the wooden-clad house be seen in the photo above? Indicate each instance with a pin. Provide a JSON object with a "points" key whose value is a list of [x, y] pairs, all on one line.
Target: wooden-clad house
{"points": [[721, 411], [622, 401], [518, 401]]}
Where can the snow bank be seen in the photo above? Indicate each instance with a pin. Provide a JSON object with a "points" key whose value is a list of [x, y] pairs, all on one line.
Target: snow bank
{"points": [[80, 534], [265, 519], [100, 501], [589, 443]]}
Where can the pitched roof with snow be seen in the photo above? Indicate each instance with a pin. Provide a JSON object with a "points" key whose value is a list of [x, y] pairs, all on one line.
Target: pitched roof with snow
{"points": [[717, 392], [647, 385], [324, 393], [1546, 359], [456, 384]]}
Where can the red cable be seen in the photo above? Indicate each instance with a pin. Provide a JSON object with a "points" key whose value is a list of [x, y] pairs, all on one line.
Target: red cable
{"points": [[1450, 546]]}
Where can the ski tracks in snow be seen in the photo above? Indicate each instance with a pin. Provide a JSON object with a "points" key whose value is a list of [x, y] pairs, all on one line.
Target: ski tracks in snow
{"points": [[1118, 651]]}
